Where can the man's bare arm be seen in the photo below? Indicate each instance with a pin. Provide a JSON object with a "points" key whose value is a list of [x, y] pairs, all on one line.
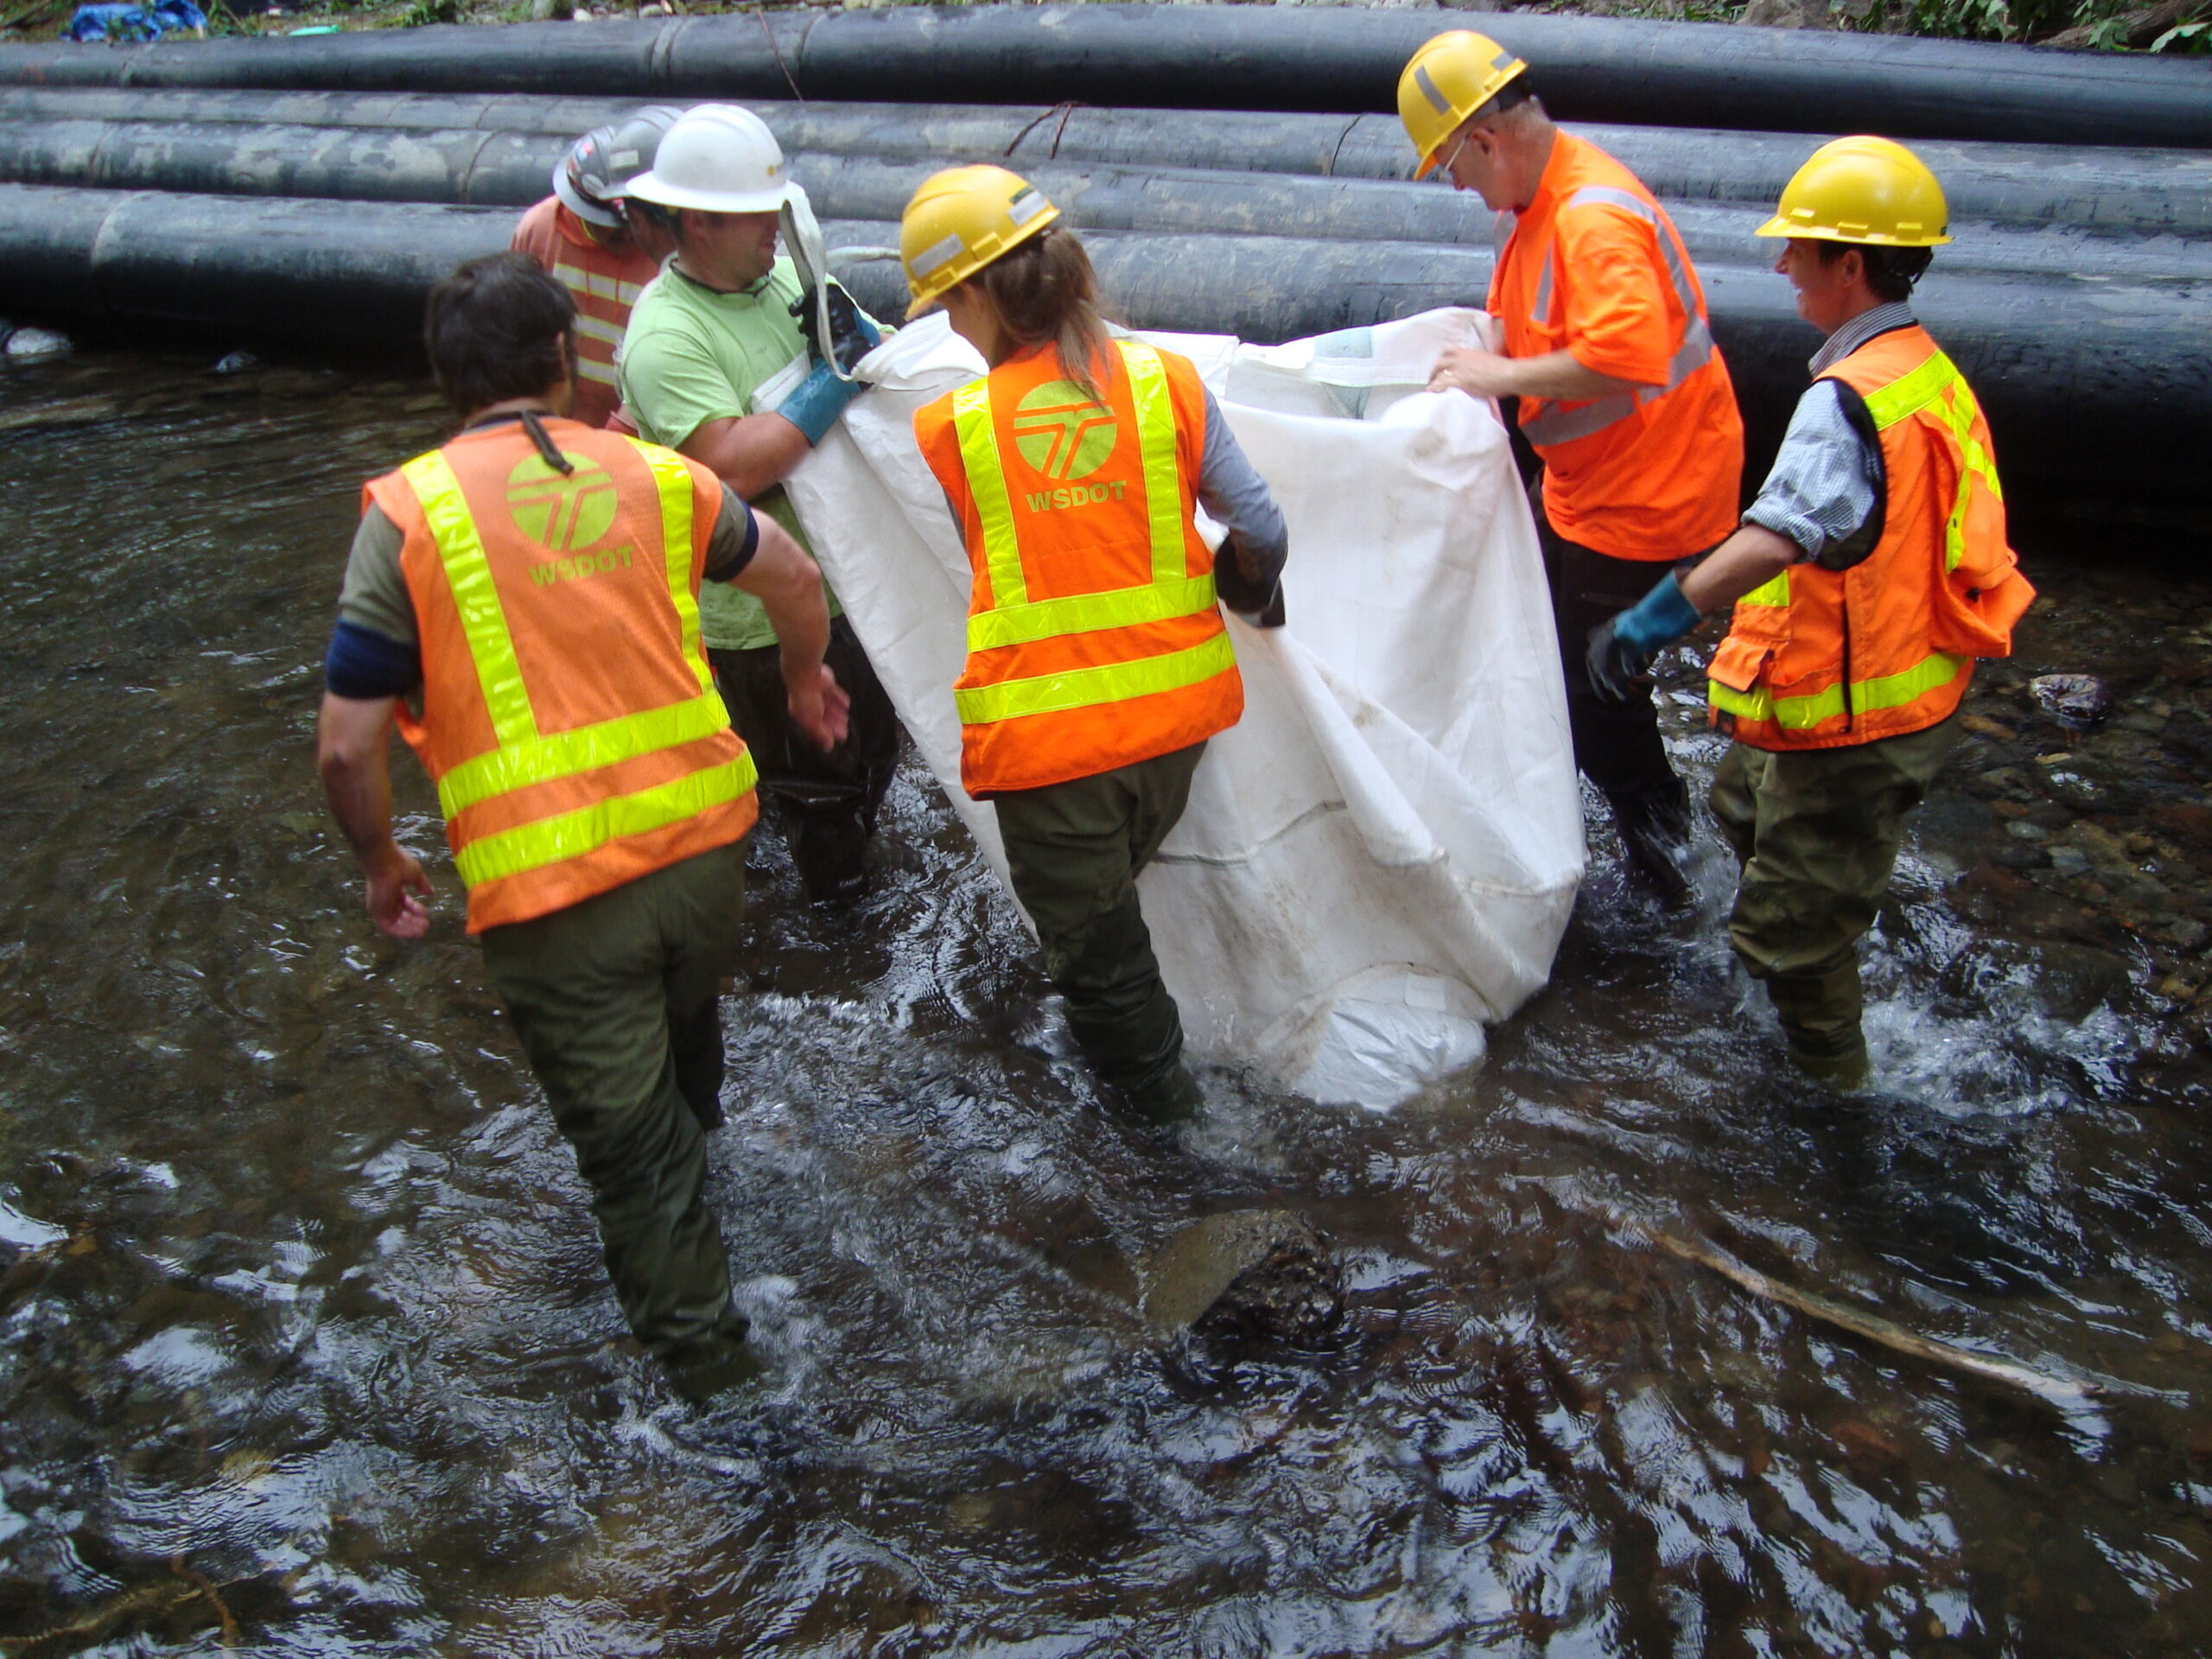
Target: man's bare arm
{"points": [[788, 584], [1555, 375], [352, 736], [750, 452], [1751, 558]]}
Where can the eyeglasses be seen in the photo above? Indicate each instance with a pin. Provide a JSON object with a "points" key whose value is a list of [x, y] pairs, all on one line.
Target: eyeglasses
{"points": [[1443, 167]]}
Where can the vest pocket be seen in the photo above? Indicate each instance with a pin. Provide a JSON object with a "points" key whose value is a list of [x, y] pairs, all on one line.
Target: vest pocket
{"points": [[1740, 661]]}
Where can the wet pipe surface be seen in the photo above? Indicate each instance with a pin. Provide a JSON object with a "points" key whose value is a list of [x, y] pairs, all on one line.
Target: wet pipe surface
{"points": [[305, 1345]]}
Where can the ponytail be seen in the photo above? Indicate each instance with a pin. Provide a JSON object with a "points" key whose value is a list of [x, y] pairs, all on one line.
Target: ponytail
{"points": [[1046, 291]]}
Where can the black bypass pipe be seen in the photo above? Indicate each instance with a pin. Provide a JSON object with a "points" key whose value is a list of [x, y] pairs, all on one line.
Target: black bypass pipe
{"points": [[1323, 59], [2106, 389], [473, 167], [2166, 191]]}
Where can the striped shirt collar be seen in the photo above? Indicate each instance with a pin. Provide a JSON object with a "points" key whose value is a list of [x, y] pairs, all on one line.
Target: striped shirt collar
{"points": [[1896, 314]]}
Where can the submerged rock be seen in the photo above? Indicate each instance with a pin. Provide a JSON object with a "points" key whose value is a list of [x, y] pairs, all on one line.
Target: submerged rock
{"points": [[25, 345], [2077, 701], [1249, 1275]]}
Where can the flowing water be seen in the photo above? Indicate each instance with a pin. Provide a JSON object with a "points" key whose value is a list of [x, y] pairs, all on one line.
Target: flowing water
{"points": [[305, 1346]]}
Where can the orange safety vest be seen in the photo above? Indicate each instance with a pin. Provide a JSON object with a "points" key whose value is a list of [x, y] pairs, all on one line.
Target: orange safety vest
{"points": [[1647, 474], [1093, 637], [604, 282], [1819, 659], [569, 719]]}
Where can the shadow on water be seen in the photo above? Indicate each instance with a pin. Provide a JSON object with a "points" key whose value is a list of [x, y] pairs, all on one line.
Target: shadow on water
{"points": [[305, 1347]]}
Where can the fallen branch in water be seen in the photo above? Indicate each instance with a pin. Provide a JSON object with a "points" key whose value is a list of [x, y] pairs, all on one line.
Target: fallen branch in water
{"points": [[1872, 1327]]}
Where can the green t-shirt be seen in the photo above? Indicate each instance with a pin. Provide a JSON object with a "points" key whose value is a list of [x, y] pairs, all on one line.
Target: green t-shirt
{"points": [[690, 355]]}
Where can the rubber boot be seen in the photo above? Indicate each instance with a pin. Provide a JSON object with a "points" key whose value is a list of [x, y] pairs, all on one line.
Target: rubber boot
{"points": [[1819, 1014], [1655, 831], [1168, 1096], [702, 1370]]}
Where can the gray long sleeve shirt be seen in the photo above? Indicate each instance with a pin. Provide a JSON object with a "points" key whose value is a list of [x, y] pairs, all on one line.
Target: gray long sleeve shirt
{"points": [[1236, 498], [1826, 478]]}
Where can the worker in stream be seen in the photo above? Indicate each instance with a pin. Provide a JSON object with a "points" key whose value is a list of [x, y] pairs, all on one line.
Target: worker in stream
{"points": [[1868, 576], [524, 602], [1622, 394], [717, 365], [1099, 660], [603, 255]]}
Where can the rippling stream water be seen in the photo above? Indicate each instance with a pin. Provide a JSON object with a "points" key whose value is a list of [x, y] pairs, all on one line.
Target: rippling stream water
{"points": [[305, 1346]]}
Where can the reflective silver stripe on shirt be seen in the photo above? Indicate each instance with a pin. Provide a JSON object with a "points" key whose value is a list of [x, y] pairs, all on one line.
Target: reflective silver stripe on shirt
{"points": [[1565, 425]]}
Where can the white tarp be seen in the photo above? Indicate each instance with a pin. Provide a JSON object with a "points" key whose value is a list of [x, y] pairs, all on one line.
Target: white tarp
{"points": [[1380, 857]]}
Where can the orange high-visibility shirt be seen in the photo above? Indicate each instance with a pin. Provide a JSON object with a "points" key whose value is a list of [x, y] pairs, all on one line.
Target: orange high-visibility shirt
{"points": [[1594, 267], [604, 282]]}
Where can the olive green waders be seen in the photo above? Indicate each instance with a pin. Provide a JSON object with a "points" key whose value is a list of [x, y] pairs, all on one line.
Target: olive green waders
{"points": [[1817, 832], [615, 1002], [1074, 850]]}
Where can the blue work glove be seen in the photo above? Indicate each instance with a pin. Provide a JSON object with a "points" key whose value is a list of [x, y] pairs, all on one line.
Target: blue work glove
{"points": [[820, 399], [1623, 647]]}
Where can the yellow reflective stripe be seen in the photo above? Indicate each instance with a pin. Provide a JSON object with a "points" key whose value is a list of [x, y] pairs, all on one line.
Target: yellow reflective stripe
{"points": [[468, 573], [593, 329], [1909, 393], [1117, 608], [1776, 592], [587, 748], [1868, 696], [979, 457], [571, 835], [1895, 691], [673, 479], [1082, 687], [1163, 486], [591, 369]]}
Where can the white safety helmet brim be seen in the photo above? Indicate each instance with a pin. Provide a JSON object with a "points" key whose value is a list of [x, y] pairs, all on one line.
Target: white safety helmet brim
{"points": [[648, 187]]}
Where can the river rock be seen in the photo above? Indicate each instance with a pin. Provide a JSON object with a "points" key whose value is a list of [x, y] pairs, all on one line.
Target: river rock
{"points": [[2075, 701], [33, 345], [1250, 1274]]}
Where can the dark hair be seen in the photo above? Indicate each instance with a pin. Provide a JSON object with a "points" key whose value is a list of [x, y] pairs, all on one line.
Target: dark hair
{"points": [[1046, 290], [652, 212], [498, 328], [1890, 272]]}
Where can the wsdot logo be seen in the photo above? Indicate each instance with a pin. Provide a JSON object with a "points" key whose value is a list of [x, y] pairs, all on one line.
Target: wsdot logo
{"points": [[1061, 433], [563, 513]]}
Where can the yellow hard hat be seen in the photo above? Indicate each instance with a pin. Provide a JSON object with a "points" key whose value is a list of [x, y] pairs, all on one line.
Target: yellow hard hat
{"points": [[1444, 83], [962, 219], [1863, 189]]}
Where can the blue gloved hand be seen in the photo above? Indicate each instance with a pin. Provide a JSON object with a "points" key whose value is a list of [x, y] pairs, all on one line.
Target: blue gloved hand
{"points": [[820, 399], [1623, 647]]}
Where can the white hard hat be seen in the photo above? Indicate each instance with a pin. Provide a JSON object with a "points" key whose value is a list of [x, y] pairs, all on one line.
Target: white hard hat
{"points": [[719, 159]]}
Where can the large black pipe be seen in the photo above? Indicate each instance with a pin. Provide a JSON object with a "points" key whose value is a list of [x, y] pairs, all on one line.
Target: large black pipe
{"points": [[304, 271], [472, 166], [2106, 389], [2115, 190], [1322, 58]]}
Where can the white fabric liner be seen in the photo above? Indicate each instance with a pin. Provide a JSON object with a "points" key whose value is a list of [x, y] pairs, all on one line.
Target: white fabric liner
{"points": [[1380, 857]]}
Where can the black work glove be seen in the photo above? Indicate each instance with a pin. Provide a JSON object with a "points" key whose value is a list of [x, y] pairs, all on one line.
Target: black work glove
{"points": [[1237, 579], [1614, 663], [851, 336], [1622, 646]]}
